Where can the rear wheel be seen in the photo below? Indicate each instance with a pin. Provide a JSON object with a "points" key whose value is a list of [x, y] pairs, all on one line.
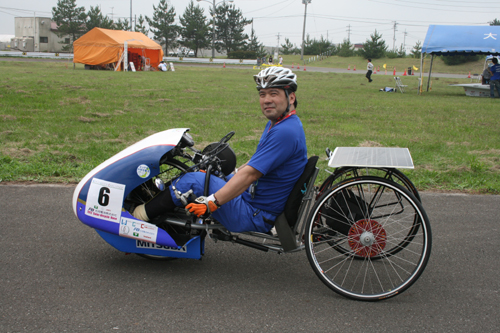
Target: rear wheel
{"points": [[368, 238]]}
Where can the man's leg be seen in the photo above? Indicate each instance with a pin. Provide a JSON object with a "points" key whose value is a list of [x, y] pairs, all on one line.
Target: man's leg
{"points": [[497, 84], [492, 89], [236, 215]]}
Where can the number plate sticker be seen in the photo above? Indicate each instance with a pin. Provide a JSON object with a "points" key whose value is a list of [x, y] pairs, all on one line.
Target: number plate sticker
{"points": [[104, 200]]}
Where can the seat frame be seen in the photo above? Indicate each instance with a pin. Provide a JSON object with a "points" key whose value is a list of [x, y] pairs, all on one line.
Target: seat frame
{"points": [[399, 84]]}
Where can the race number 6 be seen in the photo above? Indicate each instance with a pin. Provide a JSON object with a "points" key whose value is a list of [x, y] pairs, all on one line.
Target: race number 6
{"points": [[103, 198]]}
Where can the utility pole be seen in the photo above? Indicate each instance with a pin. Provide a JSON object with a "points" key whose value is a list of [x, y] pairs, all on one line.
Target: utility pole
{"points": [[394, 38], [305, 2], [404, 41], [349, 33]]}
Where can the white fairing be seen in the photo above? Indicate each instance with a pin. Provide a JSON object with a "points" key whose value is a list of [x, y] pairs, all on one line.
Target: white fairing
{"points": [[169, 137]]}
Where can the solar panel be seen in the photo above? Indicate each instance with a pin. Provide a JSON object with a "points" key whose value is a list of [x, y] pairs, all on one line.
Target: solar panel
{"points": [[371, 157]]}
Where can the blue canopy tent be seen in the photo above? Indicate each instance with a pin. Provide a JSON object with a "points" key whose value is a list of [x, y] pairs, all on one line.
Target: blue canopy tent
{"points": [[459, 39]]}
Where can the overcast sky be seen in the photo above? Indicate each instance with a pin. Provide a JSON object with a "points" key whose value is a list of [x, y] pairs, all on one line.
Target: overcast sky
{"points": [[335, 19]]}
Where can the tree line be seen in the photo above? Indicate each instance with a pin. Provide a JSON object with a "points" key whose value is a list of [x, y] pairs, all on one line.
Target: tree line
{"points": [[195, 31], [374, 48]]}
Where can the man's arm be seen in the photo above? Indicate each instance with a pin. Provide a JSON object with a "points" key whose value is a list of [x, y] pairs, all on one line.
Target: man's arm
{"points": [[238, 184]]}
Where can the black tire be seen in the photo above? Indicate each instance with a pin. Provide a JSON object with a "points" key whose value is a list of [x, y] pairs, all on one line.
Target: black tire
{"points": [[395, 175], [169, 170], [372, 242]]}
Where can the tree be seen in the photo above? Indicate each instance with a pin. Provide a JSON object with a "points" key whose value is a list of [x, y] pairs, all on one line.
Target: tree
{"points": [[345, 49], [374, 48], [255, 46], [121, 25], [97, 20], [140, 25], [70, 20], [317, 47], [495, 22], [288, 47], [229, 27], [162, 25], [417, 49], [401, 52], [195, 31]]}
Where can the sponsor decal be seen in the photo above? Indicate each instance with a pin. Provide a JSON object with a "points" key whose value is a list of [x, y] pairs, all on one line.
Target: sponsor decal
{"points": [[145, 245], [143, 171], [138, 229]]}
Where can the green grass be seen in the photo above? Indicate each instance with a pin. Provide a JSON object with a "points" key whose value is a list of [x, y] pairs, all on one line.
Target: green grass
{"points": [[401, 64], [57, 123]]}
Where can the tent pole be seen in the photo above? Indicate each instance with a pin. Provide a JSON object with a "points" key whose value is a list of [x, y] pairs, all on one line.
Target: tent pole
{"points": [[430, 71], [420, 84]]}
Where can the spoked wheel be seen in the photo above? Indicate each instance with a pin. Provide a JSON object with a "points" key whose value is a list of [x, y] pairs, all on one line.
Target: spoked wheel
{"points": [[368, 238], [171, 169], [395, 175]]}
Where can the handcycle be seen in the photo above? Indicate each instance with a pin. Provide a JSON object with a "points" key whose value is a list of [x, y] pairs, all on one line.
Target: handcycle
{"points": [[364, 230]]}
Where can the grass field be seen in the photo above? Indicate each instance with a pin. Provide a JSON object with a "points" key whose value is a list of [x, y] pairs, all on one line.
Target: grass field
{"points": [[57, 123]]}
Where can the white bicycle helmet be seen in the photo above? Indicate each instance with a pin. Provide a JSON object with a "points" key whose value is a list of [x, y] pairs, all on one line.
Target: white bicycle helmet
{"points": [[276, 77]]}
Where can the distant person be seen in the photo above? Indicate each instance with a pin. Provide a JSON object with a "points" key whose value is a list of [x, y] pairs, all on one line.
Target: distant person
{"points": [[281, 60], [495, 78], [486, 75], [162, 66], [270, 60], [369, 72]]}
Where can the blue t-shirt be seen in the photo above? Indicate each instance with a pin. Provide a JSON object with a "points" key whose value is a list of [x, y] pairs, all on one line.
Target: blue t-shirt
{"points": [[495, 69], [281, 157]]}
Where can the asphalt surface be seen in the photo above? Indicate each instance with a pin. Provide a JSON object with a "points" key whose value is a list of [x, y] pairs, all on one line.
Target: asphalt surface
{"points": [[58, 275]]}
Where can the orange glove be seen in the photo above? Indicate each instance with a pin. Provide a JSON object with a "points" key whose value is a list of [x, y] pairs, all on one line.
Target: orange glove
{"points": [[202, 206]]}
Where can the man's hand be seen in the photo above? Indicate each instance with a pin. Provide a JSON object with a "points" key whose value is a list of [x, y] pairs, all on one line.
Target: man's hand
{"points": [[202, 206]]}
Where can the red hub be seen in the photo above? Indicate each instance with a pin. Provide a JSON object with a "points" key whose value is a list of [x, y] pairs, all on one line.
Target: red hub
{"points": [[367, 238]]}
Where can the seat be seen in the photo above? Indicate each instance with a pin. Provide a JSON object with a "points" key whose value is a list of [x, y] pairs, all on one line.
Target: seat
{"points": [[295, 205], [399, 85]]}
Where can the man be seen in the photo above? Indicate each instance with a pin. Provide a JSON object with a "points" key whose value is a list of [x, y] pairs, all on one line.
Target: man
{"points": [[256, 194], [369, 69], [162, 66], [495, 78]]}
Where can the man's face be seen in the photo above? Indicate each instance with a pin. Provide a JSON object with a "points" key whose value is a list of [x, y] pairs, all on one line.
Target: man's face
{"points": [[273, 102]]}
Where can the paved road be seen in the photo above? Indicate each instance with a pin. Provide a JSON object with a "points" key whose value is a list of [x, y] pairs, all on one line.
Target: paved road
{"points": [[58, 275]]}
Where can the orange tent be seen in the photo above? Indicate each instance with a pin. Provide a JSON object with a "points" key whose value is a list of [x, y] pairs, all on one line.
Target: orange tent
{"points": [[103, 46]]}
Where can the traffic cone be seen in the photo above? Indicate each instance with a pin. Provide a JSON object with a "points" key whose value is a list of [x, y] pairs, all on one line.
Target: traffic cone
{"points": [[304, 68], [469, 76], [374, 71], [413, 72], [386, 72], [378, 69], [394, 73], [354, 68], [298, 66], [404, 74], [224, 65], [292, 64], [349, 67]]}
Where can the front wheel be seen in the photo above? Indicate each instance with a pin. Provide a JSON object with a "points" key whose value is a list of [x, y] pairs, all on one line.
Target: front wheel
{"points": [[368, 238]]}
